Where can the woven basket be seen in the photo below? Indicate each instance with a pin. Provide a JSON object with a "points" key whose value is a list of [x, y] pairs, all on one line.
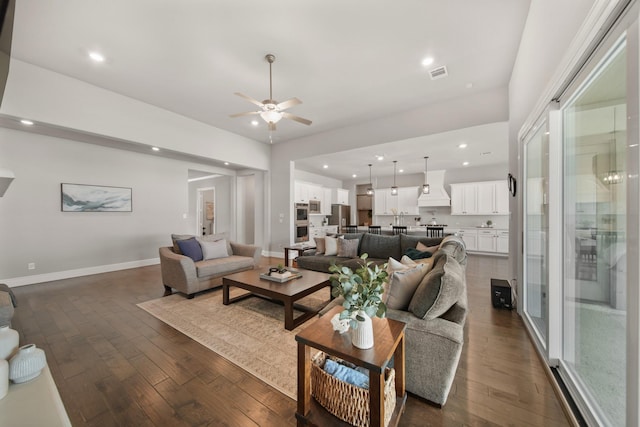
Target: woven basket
{"points": [[346, 401]]}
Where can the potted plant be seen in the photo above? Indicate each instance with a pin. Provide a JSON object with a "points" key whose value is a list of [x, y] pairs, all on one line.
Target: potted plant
{"points": [[489, 223], [362, 292]]}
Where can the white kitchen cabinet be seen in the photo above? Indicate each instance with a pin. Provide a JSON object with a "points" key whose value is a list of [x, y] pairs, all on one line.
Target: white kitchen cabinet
{"points": [[325, 206], [487, 240], [502, 241], [322, 231], [301, 192], [493, 198], [384, 202], [407, 200], [480, 198], [339, 196], [464, 199], [470, 238], [316, 192]]}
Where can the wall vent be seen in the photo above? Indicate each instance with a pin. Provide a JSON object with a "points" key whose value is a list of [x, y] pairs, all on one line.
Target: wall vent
{"points": [[438, 73]]}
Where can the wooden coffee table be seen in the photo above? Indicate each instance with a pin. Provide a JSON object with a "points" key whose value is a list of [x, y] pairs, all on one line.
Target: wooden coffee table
{"points": [[286, 293]]}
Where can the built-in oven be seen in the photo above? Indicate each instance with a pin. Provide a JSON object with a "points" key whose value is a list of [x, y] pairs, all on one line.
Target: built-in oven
{"points": [[301, 222], [302, 233], [301, 212], [314, 206]]}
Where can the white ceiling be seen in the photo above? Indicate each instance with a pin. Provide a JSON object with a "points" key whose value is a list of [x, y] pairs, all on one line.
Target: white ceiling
{"points": [[349, 62]]}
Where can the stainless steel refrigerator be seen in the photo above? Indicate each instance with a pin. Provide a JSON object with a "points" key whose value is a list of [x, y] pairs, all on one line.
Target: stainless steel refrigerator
{"points": [[340, 216]]}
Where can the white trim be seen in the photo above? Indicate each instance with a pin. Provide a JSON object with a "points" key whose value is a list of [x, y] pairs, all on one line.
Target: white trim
{"points": [[68, 274]]}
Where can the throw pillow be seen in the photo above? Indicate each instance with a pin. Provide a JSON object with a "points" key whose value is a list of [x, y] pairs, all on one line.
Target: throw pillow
{"points": [[330, 246], [212, 250], [402, 286], [416, 254], [218, 237], [191, 248], [320, 247], [175, 238], [424, 248], [427, 262], [439, 290], [348, 247]]}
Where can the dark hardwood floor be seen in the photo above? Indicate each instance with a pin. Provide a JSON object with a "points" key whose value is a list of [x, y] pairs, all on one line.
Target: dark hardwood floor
{"points": [[116, 365]]}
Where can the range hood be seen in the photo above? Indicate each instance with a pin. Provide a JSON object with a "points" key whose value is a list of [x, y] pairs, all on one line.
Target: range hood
{"points": [[6, 176], [437, 196]]}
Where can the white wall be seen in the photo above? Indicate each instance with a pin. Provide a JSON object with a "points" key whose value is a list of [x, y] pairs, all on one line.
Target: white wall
{"points": [[550, 28], [63, 244]]}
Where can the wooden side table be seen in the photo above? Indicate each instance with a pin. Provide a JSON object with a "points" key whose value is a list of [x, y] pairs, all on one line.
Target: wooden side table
{"points": [[299, 248], [388, 342]]}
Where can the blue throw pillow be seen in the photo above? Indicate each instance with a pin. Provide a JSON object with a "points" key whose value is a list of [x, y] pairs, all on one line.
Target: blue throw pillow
{"points": [[416, 254], [191, 248]]}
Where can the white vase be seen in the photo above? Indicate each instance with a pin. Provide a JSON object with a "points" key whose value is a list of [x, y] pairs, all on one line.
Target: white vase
{"points": [[26, 364], [362, 336], [8, 342], [4, 378]]}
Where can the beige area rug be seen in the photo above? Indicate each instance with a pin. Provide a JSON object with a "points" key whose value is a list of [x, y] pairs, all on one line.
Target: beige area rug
{"points": [[249, 333]]}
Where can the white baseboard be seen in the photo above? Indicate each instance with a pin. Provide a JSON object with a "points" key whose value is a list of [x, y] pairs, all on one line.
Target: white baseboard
{"points": [[59, 275]]}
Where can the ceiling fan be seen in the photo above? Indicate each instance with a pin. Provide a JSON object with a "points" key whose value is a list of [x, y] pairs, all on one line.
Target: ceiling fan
{"points": [[272, 111]]}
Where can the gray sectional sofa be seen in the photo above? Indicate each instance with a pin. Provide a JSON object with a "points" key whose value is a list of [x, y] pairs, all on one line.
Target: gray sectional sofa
{"points": [[433, 341], [185, 275], [378, 247]]}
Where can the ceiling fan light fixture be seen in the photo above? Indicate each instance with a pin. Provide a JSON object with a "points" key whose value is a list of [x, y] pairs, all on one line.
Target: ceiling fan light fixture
{"points": [[271, 116]]}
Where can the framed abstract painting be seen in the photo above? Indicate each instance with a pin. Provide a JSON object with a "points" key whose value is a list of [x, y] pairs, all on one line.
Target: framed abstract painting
{"points": [[95, 198]]}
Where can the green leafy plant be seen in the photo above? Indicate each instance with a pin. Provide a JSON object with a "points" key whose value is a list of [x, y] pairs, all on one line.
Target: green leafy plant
{"points": [[361, 289], [281, 268], [489, 223]]}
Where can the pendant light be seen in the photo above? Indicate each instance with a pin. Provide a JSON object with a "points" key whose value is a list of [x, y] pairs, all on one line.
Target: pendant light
{"points": [[425, 186], [394, 188], [370, 188]]}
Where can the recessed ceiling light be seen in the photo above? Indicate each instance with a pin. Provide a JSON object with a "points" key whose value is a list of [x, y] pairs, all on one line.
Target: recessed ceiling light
{"points": [[226, 163], [465, 163], [427, 61], [26, 122], [155, 148], [354, 176], [325, 166], [255, 122], [380, 158], [463, 145], [97, 57], [400, 170]]}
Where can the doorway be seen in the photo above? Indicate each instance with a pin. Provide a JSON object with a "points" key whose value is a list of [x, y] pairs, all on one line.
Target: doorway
{"points": [[206, 211]]}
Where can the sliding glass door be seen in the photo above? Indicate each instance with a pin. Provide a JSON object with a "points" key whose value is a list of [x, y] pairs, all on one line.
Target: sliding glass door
{"points": [[593, 361], [536, 226]]}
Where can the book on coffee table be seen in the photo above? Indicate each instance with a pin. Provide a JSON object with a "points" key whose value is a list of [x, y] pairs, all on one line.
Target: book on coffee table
{"points": [[281, 278]]}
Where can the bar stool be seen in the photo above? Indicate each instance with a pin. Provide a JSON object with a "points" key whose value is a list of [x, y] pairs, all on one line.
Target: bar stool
{"points": [[435, 231], [375, 229], [399, 229], [350, 229]]}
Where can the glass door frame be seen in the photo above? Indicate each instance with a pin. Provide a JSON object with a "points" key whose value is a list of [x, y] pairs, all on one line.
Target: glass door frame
{"points": [[628, 29]]}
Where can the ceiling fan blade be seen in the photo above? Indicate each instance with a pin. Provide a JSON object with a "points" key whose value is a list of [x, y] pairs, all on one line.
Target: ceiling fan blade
{"points": [[250, 99], [248, 113], [271, 125], [296, 118], [288, 103]]}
